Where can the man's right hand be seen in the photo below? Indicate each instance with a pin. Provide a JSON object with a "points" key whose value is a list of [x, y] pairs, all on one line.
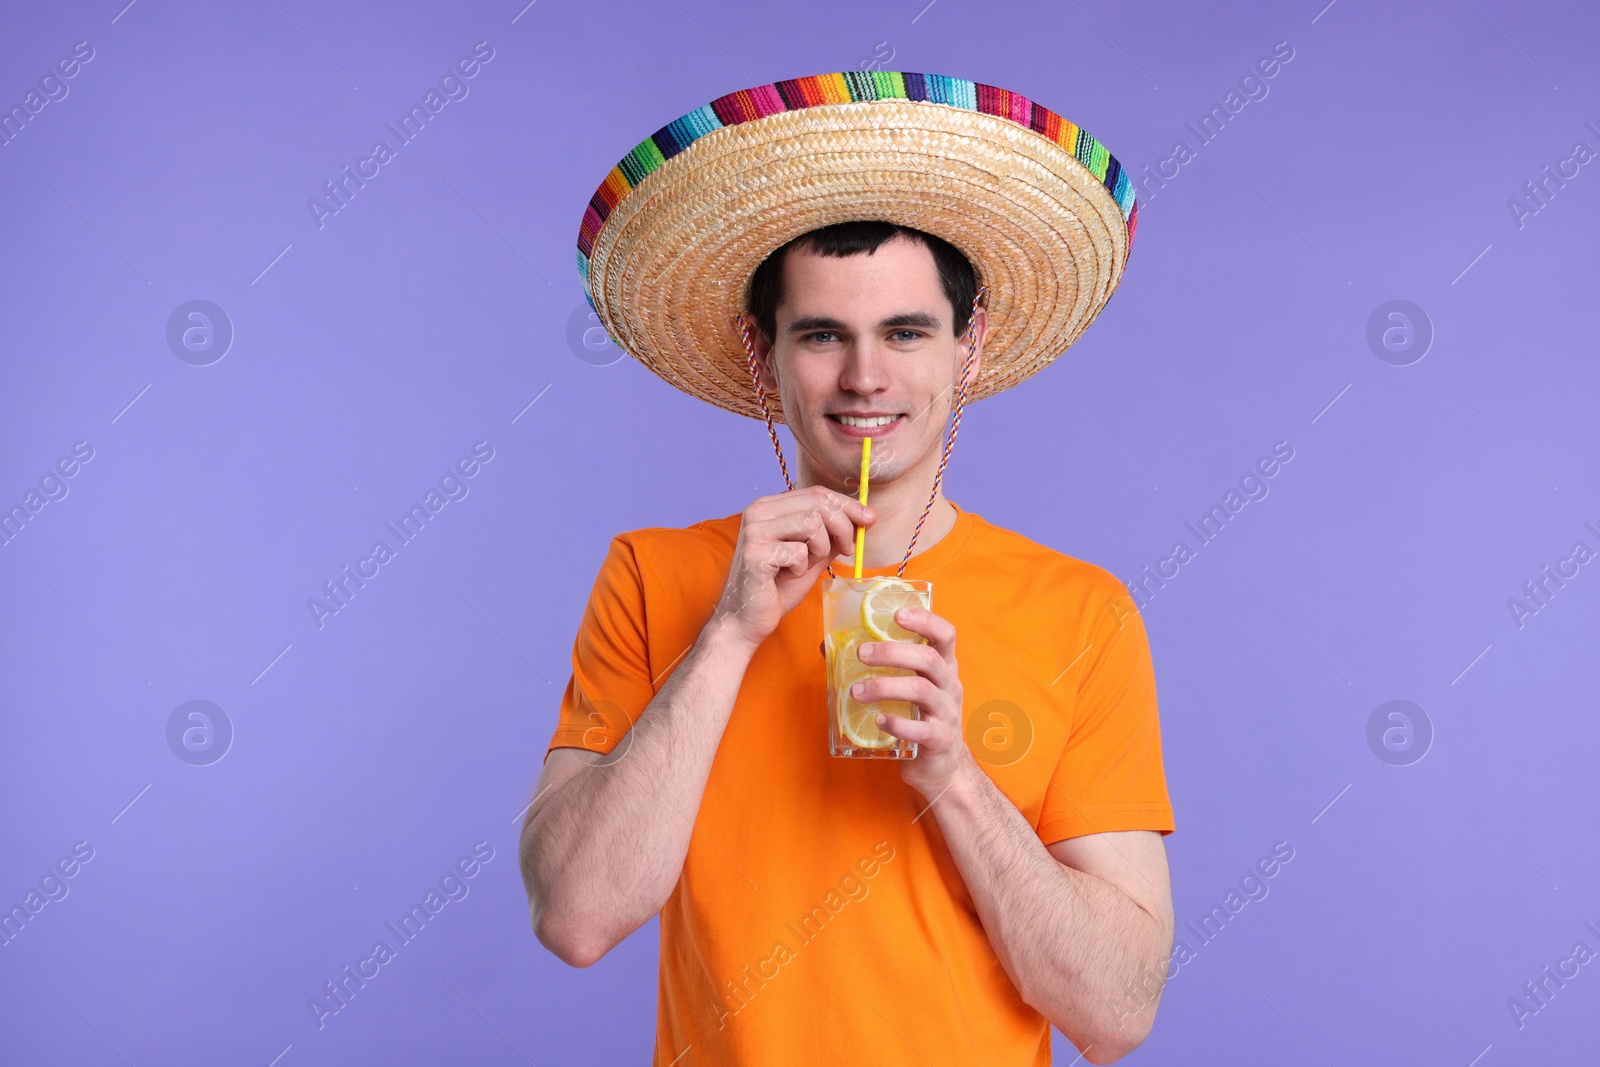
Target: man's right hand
{"points": [[784, 542]]}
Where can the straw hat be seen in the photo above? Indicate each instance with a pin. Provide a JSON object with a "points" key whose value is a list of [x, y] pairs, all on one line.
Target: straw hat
{"points": [[671, 238]]}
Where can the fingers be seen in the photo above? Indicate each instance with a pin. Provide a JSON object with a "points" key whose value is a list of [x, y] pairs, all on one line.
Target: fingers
{"points": [[934, 689], [913, 689], [842, 514], [794, 540], [921, 731], [940, 632], [793, 557], [924, 659], [822, 520], [819, 542]]}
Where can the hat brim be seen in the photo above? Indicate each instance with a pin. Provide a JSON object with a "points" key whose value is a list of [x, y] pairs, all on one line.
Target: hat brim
{"points": [[667, 271]]}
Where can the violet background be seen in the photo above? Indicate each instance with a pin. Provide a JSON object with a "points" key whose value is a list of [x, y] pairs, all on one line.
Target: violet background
{"points": [[438, 305]]}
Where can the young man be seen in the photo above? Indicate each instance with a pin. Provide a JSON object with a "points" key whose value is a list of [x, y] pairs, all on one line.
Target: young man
{"points": [[945, 908]]}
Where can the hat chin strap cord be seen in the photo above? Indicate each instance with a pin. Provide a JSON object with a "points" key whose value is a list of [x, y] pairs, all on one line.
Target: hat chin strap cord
{"points": [[743, 325]]}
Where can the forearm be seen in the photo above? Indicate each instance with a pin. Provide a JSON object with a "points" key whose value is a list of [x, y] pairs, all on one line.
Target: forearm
{"points": [[603, 850], [1069, 941]]}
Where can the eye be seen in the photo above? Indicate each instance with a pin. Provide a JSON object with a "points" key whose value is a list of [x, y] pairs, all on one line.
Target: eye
{"points": [[821, 336], [906, 335]]}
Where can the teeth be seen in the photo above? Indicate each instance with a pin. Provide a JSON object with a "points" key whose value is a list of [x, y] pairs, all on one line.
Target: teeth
{"points": [[878, 420]]}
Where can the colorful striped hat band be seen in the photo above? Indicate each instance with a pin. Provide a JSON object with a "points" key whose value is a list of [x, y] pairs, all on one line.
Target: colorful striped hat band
{"points": [[743, 326], [669, 242]]}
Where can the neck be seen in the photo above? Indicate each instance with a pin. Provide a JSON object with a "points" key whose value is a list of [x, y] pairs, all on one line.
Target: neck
{"points": [[899, 505]]}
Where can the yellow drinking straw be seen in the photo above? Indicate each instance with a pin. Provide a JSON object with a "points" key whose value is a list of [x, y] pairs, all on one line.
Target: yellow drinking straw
{"points": [[861, 531]]}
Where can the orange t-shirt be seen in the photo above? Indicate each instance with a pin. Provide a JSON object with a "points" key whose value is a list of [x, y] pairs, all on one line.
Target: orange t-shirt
{"points": [[818, 919]]}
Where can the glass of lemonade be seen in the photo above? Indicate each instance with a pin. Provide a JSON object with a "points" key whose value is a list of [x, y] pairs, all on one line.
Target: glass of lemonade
{"points": [[856, 611]]}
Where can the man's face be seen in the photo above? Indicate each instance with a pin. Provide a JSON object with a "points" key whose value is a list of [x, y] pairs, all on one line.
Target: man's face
{"points": [[867, 335]]}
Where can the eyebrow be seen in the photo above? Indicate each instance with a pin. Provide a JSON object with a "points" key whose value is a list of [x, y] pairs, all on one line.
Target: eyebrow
{"points": [[807, 323]]}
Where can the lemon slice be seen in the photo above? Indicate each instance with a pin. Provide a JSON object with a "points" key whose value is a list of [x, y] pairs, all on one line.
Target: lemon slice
{"points": [[879, 603], [858, 723], [857, 720]]}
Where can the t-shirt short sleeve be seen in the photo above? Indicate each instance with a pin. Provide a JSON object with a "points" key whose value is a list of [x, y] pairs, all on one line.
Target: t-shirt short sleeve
{"points": [[610, 682], [1110, 776]]}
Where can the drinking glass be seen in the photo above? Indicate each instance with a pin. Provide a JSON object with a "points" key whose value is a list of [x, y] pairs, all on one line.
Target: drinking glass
{"points": [[855, 611]]}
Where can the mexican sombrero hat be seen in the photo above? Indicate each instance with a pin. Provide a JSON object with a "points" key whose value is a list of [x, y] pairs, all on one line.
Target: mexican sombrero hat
{"points": [[669, 241]]}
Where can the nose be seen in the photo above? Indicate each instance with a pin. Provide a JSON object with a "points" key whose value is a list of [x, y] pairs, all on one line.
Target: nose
{"points": [[866, 368]]}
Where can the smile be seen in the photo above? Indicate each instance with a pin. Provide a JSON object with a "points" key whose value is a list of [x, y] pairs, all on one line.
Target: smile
{"points": [[857, 427]]}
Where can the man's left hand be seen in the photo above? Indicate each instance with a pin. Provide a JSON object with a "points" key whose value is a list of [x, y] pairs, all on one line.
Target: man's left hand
{"points": [[942, 753]]}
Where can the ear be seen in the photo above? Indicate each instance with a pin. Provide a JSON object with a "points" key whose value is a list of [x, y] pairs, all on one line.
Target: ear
{"points": [[766, 362]]}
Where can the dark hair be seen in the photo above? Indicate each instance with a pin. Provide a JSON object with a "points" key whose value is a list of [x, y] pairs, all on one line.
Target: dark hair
{"points": [[842, 239]]}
